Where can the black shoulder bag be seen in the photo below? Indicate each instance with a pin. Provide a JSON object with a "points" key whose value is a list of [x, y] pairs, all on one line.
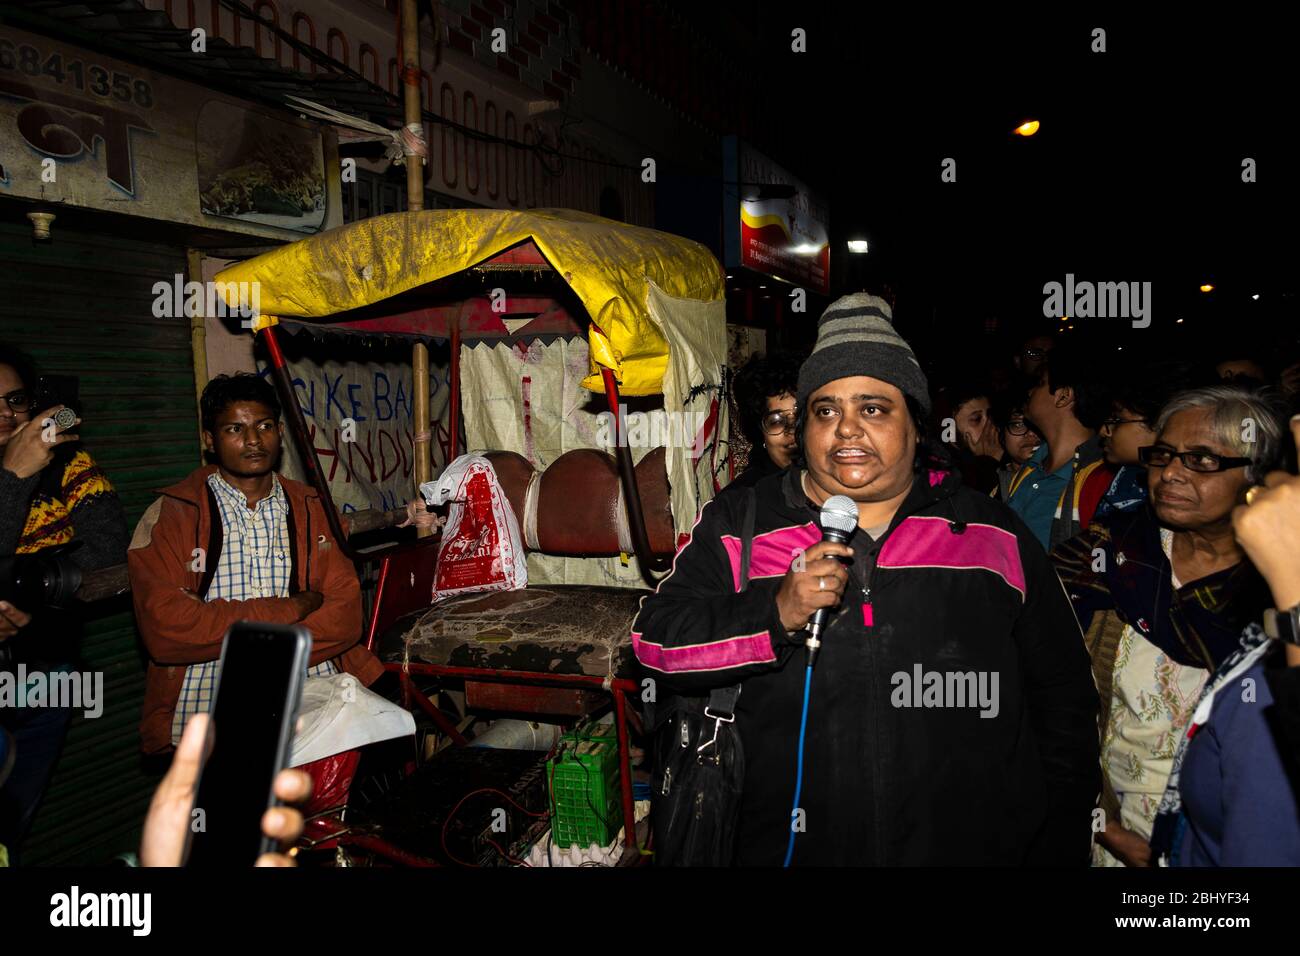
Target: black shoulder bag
{"points": [[698, 767]]}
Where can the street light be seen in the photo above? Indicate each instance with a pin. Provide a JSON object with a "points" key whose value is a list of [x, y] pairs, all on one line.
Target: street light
{"points": [[1027, 128], [858, 247], [1207, 287]]}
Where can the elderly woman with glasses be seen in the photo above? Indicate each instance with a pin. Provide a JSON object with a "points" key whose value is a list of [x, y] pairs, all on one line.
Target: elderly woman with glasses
{"points": [[1137, 396], [1163, 593], [1232, 797]]}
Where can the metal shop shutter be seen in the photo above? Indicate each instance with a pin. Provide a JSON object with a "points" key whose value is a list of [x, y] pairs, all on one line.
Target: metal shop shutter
{"points": [[82, 305]]}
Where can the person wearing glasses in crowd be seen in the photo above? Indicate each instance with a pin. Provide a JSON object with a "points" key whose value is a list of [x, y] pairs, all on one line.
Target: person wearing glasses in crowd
{"points": [[1018, 437], [1232, 796], [764, 391], [52, 493], [1137, 394], [1163, 592]]}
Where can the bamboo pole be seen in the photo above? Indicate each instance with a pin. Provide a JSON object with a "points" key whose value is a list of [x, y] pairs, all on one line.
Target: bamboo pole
{"points": [[411, 102], [415, 203], [198, 341], [423, 435]]}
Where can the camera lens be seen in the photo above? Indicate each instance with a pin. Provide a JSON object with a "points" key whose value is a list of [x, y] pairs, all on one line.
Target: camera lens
{"points": [[34, 582]]}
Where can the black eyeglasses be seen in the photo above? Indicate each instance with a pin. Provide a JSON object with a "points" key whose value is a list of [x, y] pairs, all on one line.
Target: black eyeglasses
{"points": [[1020, 427], [774, 423], [1159, 456], [19, 401], [1114, 422]]}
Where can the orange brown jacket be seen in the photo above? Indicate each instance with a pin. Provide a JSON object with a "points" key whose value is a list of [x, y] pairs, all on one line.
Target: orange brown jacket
{"points": [[179, 630]]}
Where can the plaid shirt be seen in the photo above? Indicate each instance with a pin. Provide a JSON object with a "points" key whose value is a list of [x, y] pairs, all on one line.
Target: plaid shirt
{"points": [[255, 562]]}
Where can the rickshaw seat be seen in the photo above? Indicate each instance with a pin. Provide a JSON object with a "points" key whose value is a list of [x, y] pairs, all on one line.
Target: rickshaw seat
{"points": [[555, 629], [579, 505]]}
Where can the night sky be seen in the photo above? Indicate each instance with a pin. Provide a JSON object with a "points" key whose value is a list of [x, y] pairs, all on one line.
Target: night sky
{"points": [[1135, 174]]}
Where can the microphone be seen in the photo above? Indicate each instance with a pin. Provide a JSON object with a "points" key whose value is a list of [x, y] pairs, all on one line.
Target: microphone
{"points": [[839, 518]]}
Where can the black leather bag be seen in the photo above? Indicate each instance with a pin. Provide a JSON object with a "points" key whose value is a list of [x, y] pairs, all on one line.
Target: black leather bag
{"points": [[698, 765]]}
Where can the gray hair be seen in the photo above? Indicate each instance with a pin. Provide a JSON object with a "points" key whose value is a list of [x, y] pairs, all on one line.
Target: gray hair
{"points": [[1248, 422]]}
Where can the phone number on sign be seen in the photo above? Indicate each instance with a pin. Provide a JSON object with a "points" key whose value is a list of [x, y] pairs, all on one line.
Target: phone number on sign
{"points": [[113, 84]]}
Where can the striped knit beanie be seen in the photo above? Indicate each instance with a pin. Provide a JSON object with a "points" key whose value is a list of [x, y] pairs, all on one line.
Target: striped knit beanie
{"points": [[856, 336]]}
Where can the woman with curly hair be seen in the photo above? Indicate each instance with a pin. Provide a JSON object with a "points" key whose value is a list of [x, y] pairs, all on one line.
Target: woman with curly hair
{"points": [[764, 394]]}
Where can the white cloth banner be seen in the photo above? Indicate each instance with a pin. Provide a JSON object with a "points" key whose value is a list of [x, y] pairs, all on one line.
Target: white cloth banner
{"points": [[529, 399], [360, 418]]}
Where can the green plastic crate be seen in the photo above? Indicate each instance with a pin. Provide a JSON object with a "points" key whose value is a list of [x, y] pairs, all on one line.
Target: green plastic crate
{"points": [[584, 788]]}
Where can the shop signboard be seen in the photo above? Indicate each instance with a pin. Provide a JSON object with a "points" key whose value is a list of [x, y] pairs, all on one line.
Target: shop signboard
{"points": [[773, 223]]}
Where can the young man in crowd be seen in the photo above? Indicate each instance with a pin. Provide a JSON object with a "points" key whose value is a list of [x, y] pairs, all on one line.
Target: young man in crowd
{"points": [[1047, 492], [236, 541]]}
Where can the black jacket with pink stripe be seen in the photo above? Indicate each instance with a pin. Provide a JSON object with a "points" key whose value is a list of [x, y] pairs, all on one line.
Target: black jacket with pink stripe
{"points": [[953, 721]]}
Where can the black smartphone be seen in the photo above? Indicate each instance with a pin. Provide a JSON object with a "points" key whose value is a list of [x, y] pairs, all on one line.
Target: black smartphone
{"points": [[254, 709]]}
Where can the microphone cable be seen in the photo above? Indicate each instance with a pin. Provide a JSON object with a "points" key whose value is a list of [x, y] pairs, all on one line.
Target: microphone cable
{"points": [[838, 520], [798, 779]]}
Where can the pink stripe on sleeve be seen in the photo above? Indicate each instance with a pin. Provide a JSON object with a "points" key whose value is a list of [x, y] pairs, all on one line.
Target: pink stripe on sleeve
{"points": [[718, 655], [772, 552]]}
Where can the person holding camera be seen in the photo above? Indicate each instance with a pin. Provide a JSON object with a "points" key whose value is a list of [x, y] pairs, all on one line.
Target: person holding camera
{"points": [[52, 495]]}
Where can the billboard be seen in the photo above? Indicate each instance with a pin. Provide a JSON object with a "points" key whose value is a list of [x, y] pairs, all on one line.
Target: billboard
{"points": [[773, 223], [79, 128]]}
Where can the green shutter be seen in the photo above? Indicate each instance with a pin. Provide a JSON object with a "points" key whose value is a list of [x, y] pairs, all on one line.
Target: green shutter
{"points": [[82, 305]]}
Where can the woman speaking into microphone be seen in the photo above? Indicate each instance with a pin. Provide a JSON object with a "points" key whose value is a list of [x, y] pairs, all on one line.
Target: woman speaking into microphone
{"points": [[950, 716]]}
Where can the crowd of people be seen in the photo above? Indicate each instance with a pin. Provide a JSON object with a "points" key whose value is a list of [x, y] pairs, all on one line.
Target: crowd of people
{"points": [[1064, 631], [1162, 717]]}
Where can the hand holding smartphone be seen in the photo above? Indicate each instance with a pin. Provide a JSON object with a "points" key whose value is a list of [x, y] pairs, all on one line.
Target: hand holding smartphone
{"points": [[254, 710]]}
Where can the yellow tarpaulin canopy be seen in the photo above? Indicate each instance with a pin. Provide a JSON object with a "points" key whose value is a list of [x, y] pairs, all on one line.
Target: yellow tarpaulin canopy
{"points": [[608, 265]]}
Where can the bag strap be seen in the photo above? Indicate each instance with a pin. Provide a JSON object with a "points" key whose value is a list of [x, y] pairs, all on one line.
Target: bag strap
{"points": [[746, 538], [722, 700]]}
